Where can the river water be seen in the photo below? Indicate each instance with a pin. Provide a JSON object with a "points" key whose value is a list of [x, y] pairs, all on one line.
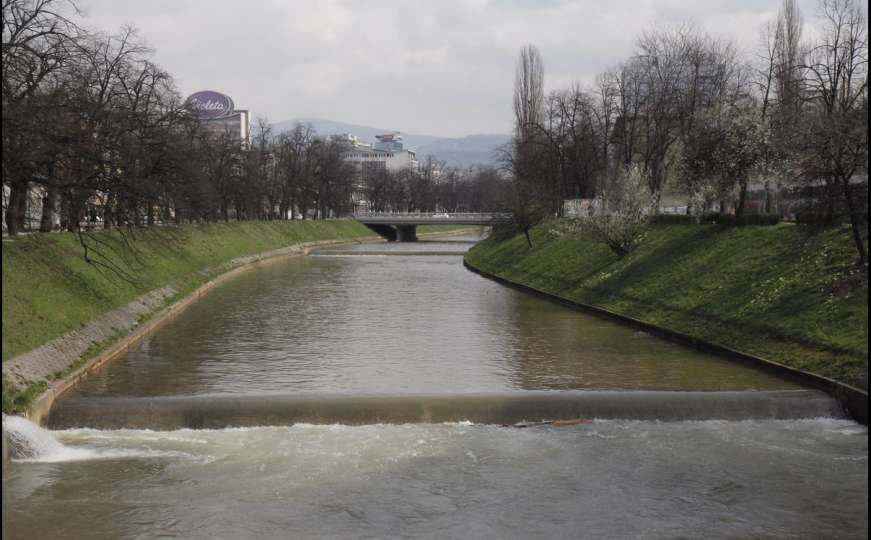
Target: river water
{"points": [[341, 322], [407, 320]]}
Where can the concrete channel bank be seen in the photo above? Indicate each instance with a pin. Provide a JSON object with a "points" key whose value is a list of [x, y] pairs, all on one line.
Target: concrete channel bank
{"points": [[128, 324]]}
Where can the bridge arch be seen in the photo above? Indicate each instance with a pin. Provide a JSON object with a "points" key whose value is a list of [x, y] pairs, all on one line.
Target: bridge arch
{"points": [[403, 227]]}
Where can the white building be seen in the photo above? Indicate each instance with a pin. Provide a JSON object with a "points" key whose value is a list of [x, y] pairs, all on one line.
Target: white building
{"points": [[369, 160], [386, 155], [237, 125]]}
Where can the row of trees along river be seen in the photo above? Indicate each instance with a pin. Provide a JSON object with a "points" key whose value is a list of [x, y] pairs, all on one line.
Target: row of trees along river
{"points": [[91, 124], [693, 113]]}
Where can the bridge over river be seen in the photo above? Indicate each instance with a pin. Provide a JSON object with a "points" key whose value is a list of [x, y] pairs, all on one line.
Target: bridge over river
{"points": [[403, 226]]}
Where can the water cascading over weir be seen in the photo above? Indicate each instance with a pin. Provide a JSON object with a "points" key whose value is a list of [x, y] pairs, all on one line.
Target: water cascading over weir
{"points": [[506, 408], [25, 440]]}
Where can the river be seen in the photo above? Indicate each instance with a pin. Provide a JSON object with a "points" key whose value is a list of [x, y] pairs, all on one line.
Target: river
{"points": [[400, 321]]}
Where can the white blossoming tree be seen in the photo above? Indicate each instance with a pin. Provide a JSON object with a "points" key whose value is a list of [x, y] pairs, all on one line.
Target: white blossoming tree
{"points": [[623, 207]]}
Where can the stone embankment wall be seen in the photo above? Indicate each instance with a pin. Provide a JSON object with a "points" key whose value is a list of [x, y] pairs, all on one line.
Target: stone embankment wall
{"points": [[65, 360], [55, 362]]}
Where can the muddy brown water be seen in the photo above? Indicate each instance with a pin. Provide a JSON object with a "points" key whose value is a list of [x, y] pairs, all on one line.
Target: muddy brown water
{"points": [[371, 323]]}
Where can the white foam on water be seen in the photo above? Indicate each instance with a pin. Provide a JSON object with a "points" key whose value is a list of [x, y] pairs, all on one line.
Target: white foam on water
{"points": [[33, 444], [608, 479], [29, 442]]}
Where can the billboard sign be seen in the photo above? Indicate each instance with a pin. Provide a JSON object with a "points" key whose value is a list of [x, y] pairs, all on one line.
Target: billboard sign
{"points": [[209, 104]]}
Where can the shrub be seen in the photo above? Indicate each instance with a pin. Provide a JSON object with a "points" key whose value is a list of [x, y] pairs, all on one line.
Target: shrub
{"points": [[710, 218], [674, 219], [623, 208], [819, 218], [729, 220], [758, 219]]}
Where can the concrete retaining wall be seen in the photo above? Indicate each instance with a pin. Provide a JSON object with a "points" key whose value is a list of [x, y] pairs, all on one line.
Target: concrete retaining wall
{"points": [[59, 354]]}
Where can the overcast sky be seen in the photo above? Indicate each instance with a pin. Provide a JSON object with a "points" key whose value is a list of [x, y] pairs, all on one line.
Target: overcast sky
{"points": [[442, 67]]}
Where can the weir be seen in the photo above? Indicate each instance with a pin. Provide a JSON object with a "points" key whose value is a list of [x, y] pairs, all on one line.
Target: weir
{"points": [[220, 411]]}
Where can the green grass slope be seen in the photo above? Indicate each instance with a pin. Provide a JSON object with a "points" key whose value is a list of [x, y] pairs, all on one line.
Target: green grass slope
{"points": [[49, 289], [787, 293]]}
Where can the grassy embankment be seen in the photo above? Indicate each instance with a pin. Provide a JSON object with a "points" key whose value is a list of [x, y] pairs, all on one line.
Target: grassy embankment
{"points": [[49, 289], [786, 293]]}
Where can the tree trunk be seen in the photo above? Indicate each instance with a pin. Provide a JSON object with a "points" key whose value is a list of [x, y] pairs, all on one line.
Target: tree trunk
{"points": [[854, 223], [108, 216], [17, 207], [767, 197], [72, 211], [831, 211], [528, 238], [49, 203], [742, 198]]}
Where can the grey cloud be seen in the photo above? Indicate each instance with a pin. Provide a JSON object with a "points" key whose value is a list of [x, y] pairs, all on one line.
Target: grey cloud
{"points": [[443, 67]]}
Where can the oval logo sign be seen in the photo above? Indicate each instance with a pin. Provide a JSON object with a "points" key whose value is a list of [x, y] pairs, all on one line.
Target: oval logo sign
{"points": [[209, 104]]}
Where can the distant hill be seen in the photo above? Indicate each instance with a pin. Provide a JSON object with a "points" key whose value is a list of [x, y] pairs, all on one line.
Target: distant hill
{"points": [[465, 151], [460, 152]]}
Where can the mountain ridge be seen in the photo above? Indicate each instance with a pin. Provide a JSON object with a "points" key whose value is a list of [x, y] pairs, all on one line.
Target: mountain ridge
{"points": [[474, 149]]}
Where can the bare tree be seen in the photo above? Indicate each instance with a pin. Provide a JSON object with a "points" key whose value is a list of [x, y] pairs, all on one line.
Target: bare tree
{"points": [[528, 93], [37, 38], [680, 73], [533, 195], [788, 58], [779, 79], [831, 140]]}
